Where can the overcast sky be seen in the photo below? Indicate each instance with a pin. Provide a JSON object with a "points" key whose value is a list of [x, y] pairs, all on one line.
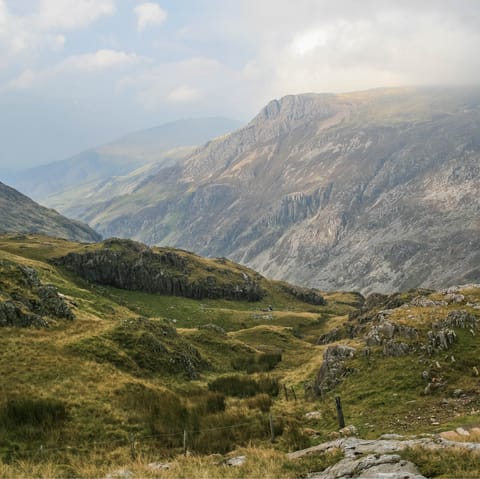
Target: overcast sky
{"points": [[77, 73]]}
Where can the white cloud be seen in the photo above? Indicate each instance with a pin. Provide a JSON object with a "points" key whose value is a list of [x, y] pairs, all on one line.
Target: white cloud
{"points": [[25, 37], [86, 63], [183, 94], [100, 59], [149, 14], [72, 14]]}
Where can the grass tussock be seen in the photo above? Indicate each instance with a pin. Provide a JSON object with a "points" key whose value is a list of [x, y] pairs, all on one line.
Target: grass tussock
{"points": [[445, 463], [241, 386]]}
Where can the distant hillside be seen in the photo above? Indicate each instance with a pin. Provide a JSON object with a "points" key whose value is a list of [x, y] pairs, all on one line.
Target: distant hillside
{"points": [[19, 214], [118, 158], [374, 190]]}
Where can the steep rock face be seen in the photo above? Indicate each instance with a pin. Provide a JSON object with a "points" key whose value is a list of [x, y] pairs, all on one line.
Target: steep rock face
{"points": [[133, 266], [19, 214], [374, 190]]}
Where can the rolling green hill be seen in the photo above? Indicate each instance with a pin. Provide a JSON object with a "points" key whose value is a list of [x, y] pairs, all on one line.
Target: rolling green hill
{"points": [[109, 370]]}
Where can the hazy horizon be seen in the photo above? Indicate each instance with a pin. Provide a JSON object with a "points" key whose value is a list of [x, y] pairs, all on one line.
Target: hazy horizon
{"points": [[75, 74]]}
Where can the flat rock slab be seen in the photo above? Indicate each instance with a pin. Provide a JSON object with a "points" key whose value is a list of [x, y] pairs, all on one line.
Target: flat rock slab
{"points": [[374, 466], [369, 459]]}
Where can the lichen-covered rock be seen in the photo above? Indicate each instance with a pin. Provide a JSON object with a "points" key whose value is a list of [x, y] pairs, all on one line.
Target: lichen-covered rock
{"points": [[52, 304], [459, 319], [396, 348], [331, 336], [386, 330], [424, 302], [14, 314], [25, 301], [441, 339], [133, 266], [333, 368], [307, 295]]}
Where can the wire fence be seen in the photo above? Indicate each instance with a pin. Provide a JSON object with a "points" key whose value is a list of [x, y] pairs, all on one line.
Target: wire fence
{"points": [[132, 440]]}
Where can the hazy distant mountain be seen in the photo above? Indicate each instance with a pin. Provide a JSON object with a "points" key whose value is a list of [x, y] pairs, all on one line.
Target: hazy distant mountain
{"points": [[117, 158], [19, 214], [369, 190]]}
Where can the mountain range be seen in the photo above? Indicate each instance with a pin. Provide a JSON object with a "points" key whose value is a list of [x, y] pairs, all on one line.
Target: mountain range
{"points": [[373, 190], [90, 170]]}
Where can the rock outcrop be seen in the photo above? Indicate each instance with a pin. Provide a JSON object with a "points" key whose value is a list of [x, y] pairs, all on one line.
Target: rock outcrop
{"points": [[371, 459], [133, 266], [26, 301], [333, 368]]}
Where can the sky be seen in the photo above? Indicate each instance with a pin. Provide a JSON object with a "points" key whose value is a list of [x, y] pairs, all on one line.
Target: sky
{"points": [[78, 73]]}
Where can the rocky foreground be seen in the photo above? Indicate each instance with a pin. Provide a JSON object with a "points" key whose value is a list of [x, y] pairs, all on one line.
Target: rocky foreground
{"points": [[368, 459]]}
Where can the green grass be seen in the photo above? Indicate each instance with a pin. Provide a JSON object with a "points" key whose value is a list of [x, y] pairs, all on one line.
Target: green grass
{"points": [[139, 363], [444, 463]]}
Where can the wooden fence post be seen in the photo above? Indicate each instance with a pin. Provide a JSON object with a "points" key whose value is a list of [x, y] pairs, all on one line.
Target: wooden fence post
{"points": [[133, 452], [285, 391], [341, 419], [272, 432]]}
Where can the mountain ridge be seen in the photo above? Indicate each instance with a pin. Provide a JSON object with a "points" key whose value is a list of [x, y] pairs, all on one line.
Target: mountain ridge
{"points": [[20, 214], [119, 157]]}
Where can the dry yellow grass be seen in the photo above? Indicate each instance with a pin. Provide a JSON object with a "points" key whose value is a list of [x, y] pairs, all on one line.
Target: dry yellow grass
{"points": [[260, 462]]}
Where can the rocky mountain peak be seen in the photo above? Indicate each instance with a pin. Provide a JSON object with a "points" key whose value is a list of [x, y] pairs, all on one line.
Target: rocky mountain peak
{"points": [[372, 190]]}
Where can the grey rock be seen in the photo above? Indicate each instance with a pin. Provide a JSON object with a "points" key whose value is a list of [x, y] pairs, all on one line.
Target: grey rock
{"points": [[376, 458], [307, 295], [441, 339], [313, 415], [26, 300], [15, 314], [236, 461], [454, 298], [459, 319], [120, 474], [333, 368], [423, 302], [396, 348], [330, 337], [134, 266]]}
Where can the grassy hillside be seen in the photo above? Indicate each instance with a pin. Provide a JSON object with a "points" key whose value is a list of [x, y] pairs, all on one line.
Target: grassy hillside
{"points": [[121, 383], [20, 214]]}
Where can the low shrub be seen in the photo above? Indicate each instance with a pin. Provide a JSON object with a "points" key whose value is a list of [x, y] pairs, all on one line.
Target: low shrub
{"points": [[225, 431], [162, 412], [263, 402], [241, 386], [209, 402], [40, 413], [258, 363]]}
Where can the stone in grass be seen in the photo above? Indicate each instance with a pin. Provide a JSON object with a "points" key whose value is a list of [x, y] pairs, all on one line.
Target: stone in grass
{"points": [[350, 430], [313, 415], [120, 474], [236, 461]]}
